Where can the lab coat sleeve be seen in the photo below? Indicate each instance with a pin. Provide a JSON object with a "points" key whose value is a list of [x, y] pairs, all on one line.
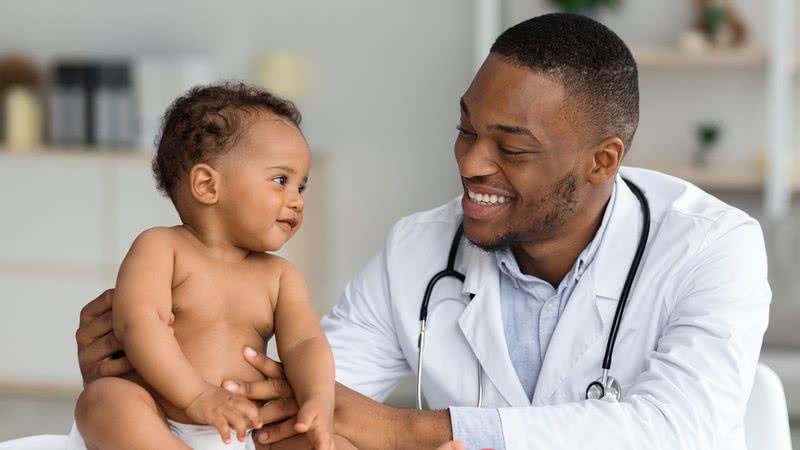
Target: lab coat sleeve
{"points": [[477, 427], [361, 334], [694, 388]]}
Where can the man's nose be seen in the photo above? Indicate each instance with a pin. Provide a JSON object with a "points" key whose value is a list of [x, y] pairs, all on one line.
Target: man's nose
{"points": [[476, 160]]}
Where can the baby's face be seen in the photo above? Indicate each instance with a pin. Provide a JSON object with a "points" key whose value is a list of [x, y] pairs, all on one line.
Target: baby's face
{"points": [[262, 183]]}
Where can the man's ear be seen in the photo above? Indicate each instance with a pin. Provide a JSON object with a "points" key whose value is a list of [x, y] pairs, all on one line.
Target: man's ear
{"points": [[204, 184], [606, 159]]}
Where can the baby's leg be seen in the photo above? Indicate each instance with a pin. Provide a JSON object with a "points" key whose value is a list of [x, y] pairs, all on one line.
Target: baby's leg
{"points": [[117, 414]]}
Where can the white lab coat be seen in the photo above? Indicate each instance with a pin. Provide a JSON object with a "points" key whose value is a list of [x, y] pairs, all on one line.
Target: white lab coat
{"points": [[685, 355]]}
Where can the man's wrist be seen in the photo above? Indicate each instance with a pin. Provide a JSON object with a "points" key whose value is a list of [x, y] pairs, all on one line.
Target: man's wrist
{"points": [[416, 429]]}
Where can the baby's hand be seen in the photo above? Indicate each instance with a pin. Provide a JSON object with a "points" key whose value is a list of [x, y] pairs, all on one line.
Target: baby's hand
{"points": [[315, 418], [225, 412]]}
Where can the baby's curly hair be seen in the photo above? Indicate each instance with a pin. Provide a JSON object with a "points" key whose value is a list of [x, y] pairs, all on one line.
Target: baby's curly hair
{"points": [[206, 122]]}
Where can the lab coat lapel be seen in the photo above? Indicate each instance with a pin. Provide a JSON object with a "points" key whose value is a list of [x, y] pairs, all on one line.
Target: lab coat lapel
{"points": [[589, 313], [482, 325]]}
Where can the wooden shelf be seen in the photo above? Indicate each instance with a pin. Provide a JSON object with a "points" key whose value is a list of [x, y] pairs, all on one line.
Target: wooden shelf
{"points": [[739, 177], [676, 58]]}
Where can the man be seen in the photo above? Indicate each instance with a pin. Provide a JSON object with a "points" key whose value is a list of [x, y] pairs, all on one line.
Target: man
{"points": [[553, 230]]}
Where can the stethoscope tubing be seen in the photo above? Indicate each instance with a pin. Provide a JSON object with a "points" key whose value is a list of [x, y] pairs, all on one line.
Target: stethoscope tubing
{"points": [[450, 272]]}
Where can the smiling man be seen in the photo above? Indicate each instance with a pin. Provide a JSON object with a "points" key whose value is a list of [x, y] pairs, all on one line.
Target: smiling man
{"points": [[552, 226]]}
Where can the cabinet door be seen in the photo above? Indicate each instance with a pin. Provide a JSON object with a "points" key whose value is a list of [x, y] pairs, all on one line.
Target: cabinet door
{"points": [[51, 210]]}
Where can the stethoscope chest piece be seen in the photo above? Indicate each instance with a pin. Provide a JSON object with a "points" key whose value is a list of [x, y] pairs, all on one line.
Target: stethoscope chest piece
{"points": [[604, 388]]}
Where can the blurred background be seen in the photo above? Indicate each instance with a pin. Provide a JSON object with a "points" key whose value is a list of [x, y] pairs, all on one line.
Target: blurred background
{"points": [[83, 85]]}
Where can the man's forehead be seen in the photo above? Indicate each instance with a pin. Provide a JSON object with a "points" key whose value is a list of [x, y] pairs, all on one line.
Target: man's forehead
{"points": [[512, 93]]}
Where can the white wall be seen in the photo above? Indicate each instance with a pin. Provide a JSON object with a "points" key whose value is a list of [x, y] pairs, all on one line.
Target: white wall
{"points": [[383, 82]]}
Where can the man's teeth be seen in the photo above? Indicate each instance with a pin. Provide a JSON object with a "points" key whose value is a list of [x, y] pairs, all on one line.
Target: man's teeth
{"points": [[487, 199]]}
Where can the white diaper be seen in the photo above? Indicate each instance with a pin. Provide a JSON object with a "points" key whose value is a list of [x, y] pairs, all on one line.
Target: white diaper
{"points": [[205, 437], [199, 437]]}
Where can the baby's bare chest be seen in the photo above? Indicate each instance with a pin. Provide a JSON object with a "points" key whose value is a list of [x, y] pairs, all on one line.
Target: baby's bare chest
{"points": [[214, 296]]}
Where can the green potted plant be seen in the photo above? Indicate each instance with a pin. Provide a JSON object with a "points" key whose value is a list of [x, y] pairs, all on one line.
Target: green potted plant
{"points": [[586, 7]]}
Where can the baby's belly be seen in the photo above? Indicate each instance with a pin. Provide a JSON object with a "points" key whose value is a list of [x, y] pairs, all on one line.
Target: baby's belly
{"points": [[215, 352]]}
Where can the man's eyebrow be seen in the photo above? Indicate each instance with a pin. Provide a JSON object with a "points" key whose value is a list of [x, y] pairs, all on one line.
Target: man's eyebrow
{"points": [[464, 108], [513, 130]]}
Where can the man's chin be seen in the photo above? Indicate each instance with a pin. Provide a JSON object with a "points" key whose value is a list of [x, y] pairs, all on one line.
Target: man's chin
{"points": [[496, 243]]}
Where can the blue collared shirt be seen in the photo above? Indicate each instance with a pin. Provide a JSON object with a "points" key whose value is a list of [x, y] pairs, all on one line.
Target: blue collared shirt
{"points": [[530, 308]]}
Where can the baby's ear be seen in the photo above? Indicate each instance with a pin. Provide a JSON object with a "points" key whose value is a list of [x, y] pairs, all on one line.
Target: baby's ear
{"points": [[203, 184]]}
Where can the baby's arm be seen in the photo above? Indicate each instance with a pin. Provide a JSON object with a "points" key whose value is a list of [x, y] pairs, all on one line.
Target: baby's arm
{"points": [[306, 357], [141, 315]]}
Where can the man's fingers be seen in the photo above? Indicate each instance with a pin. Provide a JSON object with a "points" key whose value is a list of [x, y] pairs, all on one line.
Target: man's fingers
{"points": [[89, 332], [279, 409], [270, 368], [268, 389], [96, 307], [276, 432], [99, 349], [114, 367]]}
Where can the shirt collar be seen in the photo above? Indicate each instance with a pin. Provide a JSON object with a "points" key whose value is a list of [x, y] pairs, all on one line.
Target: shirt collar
{"points": [[508, 263]]}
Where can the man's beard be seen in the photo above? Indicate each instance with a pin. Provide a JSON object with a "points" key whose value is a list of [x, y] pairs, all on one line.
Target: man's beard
{"points": [[563, 203]]}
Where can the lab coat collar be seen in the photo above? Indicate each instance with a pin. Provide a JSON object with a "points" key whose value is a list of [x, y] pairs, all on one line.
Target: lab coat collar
{"points": [[589, 313], [586, 319], [482, 325], [617, 249]]}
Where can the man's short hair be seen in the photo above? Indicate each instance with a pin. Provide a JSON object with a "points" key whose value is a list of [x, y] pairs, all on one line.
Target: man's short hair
{"points": [[595, 66]]}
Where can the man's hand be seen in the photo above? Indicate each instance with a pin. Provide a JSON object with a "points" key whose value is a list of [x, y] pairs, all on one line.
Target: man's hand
{"points": [[364, 422], [96, 341]]}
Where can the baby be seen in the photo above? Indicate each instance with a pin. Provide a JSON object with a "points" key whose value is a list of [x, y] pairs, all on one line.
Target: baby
{"points": [[190, 298]]}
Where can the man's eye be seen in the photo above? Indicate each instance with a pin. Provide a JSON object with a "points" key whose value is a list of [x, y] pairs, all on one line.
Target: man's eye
{"points": [[510, 152], [280, 180], [463, 131]]}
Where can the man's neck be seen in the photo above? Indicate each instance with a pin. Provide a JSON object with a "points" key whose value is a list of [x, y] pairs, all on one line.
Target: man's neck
{"points": [[551, 259]]}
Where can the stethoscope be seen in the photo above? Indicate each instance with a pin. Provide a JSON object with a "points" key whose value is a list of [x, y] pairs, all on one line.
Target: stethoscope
{"points": [[604, 386]]}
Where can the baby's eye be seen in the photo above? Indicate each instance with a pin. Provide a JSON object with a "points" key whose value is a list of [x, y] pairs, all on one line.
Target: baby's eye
{"points": [[301, 189], [280, 180]]}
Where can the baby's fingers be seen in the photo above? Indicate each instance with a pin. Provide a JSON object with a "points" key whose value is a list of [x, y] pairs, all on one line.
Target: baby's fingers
{"points": [[222, 426], [325, 441], [305, 419], [251, 412], [239, 423]]}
